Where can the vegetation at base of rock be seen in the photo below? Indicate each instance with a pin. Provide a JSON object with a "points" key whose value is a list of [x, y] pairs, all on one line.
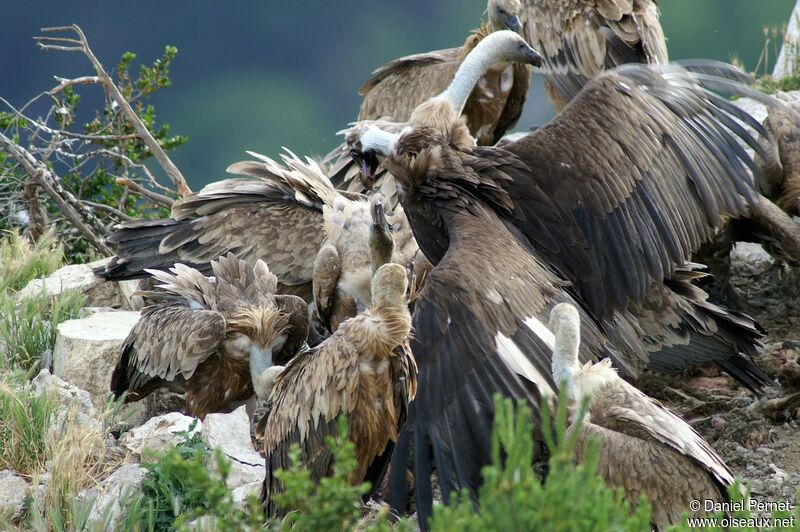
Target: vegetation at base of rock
{"points": [[24, 420], [29, 327]]}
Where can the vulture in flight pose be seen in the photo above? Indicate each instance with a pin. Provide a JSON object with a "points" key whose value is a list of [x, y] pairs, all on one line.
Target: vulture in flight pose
{"points": [[609, 197], [644, 447], [364, 372], [494, 105], [210, 336], [579, 39]]}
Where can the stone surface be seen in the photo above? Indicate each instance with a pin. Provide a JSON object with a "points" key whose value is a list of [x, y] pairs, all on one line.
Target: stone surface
{"points": [[230, 433], [74, 402], [87, 350], [158, 434], [107, 510], [750, 257], [786, 64], [13, 491], [80, 278], [242, 493]]}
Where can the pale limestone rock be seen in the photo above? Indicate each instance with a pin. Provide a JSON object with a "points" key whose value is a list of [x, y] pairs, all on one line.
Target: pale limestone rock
{"points": [[87, 350], [122, 483], [242, 493], [75, 404], [158, 434], [230, 433], [750, 257], [786, 65], [13, 491], [79, 278]]}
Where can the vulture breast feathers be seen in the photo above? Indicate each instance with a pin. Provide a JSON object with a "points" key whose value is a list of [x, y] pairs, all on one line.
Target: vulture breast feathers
{"points": [[364, 372], [644, 447], [581, 38], [207, 335]]}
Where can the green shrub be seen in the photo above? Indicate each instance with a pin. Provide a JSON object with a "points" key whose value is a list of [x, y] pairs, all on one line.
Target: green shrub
{"points": [[573, 498]]}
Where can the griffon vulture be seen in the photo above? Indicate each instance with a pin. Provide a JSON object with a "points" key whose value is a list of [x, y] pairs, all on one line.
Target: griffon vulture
{"points": [[364, 372], [459, 87], [210, 336], [609, 197], [644, 447], [579, 39], [493, 106]]}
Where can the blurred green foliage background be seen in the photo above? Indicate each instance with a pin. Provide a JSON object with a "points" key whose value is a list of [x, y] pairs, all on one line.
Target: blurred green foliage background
{"points": [[263, 74]]}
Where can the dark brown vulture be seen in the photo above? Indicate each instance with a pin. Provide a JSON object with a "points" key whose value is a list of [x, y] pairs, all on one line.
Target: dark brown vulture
{"points": [[493, 106], [644, 447], [210, 336], [608, 198], [364, 372], [579, 39], [453, 95]]}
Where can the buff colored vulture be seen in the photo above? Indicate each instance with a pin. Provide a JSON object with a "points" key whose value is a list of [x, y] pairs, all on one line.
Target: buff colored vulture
{"points": [[579, 39], [364, 372], [644, 447], [493, 106], [210, 336]]}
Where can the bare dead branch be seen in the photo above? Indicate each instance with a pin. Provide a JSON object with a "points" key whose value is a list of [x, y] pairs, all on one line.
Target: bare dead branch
{"points": [[155, 149], [64, 83], [109, 209], [81, 216], [139, 189]]}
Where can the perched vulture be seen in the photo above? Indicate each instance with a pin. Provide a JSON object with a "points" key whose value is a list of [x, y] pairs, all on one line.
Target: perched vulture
{"points": [[644, 447], [579, 39], [608, 198], [364, 372], [493, 106], [459, 85], [210, 336]]}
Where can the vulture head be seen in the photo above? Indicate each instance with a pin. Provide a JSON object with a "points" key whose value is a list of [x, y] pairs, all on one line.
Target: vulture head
{"points": [[381, 241], [389, 285], [367, 140], [504, 15]]}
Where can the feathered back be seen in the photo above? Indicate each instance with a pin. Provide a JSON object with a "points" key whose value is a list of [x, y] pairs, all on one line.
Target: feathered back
{"points": [[235, 284]]}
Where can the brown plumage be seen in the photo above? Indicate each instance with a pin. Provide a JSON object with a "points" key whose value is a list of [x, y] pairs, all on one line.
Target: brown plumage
{"points": [[644, 447], [780, 181], [208, 336], [607, 199], [461, 91], [579, 39], [493, 107], [364, 372]]}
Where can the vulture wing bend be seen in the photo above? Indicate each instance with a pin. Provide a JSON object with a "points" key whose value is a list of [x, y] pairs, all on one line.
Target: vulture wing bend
{"points": [[625, 183]]}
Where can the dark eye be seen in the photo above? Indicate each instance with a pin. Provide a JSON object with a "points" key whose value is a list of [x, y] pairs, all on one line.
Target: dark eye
{"points": [[502, 11]]}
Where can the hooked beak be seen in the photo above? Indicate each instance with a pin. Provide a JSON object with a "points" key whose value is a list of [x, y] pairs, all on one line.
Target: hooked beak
{"points": [[379, 216], [534, 57], [513, 23], [367, 164]]}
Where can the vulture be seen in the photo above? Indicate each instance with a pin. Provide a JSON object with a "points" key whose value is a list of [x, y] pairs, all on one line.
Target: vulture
{"points": [[462, 85], [609, 197], [645, 448], [493, 106], [579, 39], [210, 337], [364, 372]]}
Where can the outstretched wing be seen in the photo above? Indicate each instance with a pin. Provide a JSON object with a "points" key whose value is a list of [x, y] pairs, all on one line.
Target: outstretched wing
{"points": [[626, 182], [167, 344], [580, 39], [277, 218]]}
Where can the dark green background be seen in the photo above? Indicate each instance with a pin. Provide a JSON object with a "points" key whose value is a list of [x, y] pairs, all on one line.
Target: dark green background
{"points": [[262, 74]]}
